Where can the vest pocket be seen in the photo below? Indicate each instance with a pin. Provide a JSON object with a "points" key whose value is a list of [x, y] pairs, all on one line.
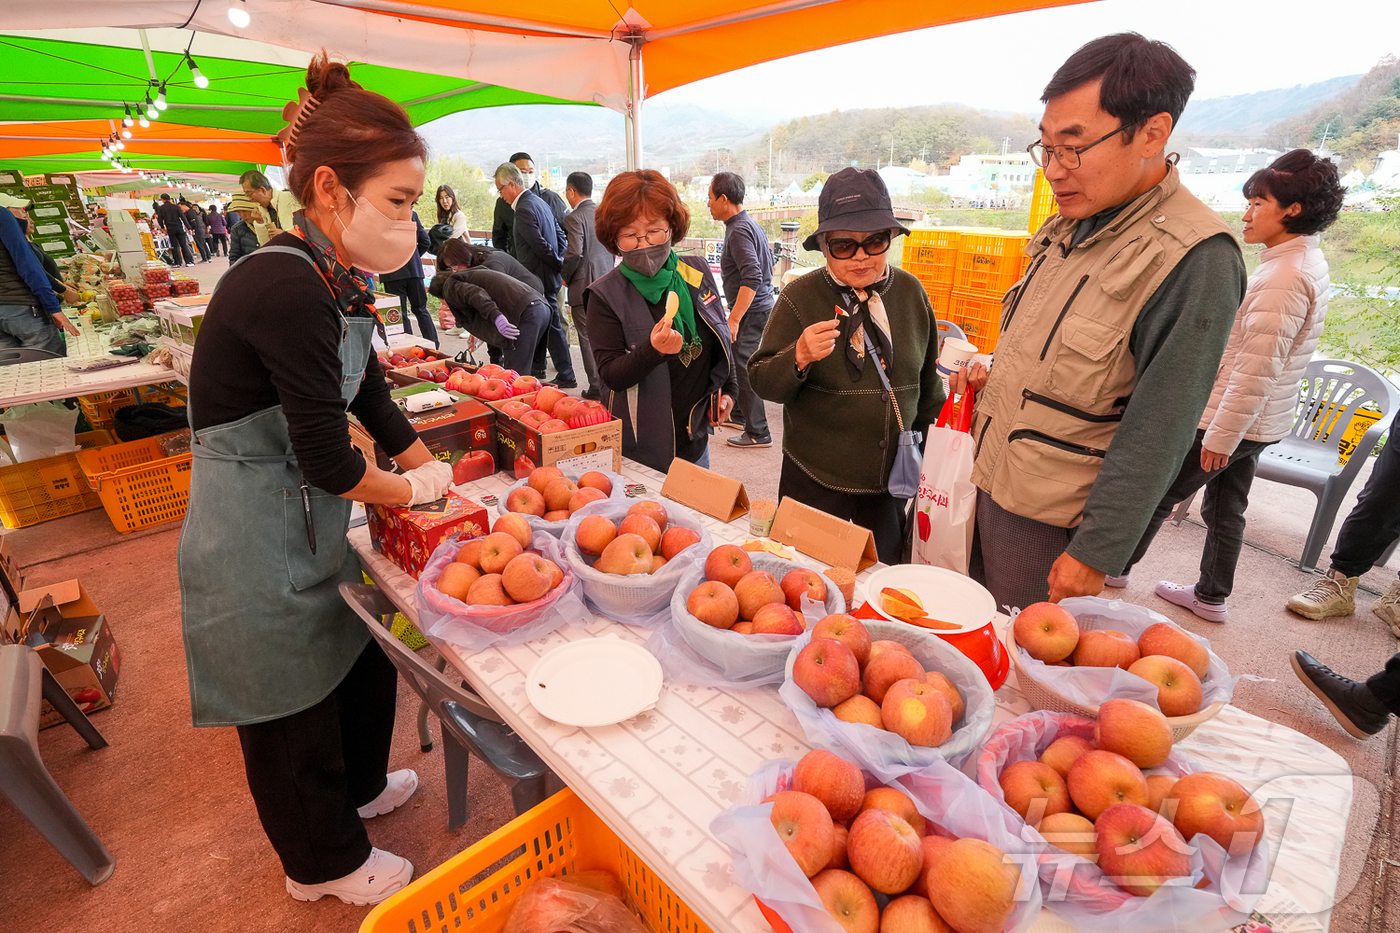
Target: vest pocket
{"points": [[330, 516], [1087, 357], [1046, 479]]}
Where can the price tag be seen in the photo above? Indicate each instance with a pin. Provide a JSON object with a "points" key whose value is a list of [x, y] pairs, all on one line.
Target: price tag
{"points": [[577, 466]]}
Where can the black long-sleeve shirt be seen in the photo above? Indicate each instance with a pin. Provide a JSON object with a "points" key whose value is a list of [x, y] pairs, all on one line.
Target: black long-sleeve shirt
{"points": [[271, 336]]}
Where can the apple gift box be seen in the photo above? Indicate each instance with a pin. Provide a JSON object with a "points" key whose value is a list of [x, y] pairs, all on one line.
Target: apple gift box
{"points": [[948, 800], [693, 652], [537, 523], [1081, 893]]}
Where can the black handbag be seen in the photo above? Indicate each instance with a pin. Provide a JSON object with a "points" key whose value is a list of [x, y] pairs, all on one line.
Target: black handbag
{"points": [[908, 459]]}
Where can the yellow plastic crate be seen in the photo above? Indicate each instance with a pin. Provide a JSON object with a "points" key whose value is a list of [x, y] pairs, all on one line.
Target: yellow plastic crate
{"points": [[989, 262], [138, 484], [979, 315], [1043, 204], [53, 487], [555, 839]]}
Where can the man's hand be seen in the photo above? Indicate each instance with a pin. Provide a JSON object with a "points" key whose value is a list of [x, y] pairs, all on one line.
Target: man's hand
{"points": [[71, 296], [62, 321], [1212, 461], [1069, 577], [726, 405], [976, 376], [817, 342], [734, 327]]}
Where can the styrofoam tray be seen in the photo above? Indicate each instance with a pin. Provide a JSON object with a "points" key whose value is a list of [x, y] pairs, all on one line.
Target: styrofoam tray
{"points": [[947, 596], [596, 682]]}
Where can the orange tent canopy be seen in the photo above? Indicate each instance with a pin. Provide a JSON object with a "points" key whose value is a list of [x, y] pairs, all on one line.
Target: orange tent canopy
{"points": [[29, 140]]}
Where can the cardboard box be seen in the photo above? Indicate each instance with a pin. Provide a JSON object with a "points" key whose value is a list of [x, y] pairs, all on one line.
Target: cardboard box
{"points": [[408, 536], [48, 211], [75, 641], [705, 491], [463, 436], [413, 375], [10, 178], [11, 580], [576, 451], [823, 536]]}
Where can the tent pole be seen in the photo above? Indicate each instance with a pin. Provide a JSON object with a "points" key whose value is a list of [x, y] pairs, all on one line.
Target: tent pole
{"points": [[634, 105]]}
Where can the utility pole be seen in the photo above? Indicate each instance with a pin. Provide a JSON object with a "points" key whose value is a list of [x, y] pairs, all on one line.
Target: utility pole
{"points": [[891, 162], [770, 163]]}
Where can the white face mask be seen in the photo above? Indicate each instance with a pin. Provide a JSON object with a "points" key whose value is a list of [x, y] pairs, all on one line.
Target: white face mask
{"points": [[529, 180], [374, 243]]}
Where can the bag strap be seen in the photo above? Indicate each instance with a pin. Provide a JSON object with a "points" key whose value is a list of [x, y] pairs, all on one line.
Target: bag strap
{"points": [[880, 368], [963, 406]]}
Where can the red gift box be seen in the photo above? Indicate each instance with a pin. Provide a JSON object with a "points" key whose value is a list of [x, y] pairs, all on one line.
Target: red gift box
{"points": [[408, 536]]}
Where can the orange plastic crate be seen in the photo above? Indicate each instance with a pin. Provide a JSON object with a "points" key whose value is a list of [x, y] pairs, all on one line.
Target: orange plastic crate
{"points": [[555, 839], [138, 484], [989, 262], [38, 490], [979, 315]]}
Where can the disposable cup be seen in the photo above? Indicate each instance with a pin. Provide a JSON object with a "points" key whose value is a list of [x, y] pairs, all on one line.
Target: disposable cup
{"points": [[955, 355]]}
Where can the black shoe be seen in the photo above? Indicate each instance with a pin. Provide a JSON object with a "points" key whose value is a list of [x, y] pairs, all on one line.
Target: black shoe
{"points": [[748, 441], [591, 393], [539, 375], [561, 384], [1355, 706]]}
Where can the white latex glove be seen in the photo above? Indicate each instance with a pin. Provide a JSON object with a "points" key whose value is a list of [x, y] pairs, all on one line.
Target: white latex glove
{"points": [[430, 482]]}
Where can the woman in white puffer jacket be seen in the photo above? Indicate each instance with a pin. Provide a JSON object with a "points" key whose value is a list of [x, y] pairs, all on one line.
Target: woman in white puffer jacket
{"points": [[1256, 389]]}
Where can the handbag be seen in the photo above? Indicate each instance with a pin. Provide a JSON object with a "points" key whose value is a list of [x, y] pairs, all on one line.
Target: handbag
{"points": [[904, 474], [946, 507]]}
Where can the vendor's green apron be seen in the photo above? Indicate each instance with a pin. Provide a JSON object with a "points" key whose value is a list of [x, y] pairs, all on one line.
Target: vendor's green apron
{"points": [[267, 633]]}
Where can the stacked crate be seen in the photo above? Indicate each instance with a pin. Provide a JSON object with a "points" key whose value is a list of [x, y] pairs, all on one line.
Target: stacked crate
{"points": [[965, 272], [1042, 202]]}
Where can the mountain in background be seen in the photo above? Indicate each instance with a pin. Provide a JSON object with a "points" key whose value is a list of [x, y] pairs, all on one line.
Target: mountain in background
{"points": [[1242, 118]]}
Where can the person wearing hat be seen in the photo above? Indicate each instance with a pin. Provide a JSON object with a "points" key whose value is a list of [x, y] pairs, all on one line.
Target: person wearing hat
{"points": [[241, 213], [30, 315], [828, 338]]}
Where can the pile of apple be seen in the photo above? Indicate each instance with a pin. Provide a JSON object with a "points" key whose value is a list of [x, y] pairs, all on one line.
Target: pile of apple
{"points": [[737, 598], [552, 410], [852, 842], [1093, 799], [879, 683], [490, 383], [1163, 654], [639, 544], [499, 569], [552, 496]]}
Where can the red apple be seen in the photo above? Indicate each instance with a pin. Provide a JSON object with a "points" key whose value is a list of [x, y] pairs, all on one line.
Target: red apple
{"points": [[711, 602], [514, 407], [552, 426], [650, 508], [802, 582], [625, 554], [1138, 849], [1098, 780], [473, 465], [546, 396], [848, 900], [1134, 730], [1070, 832], [776, 619], [557, 515], [912, 914], [497, 550], [805, 828], [1158, 787], [743, 626], [1104, 648], [1047, 631], [488, 591], [916, 712], [1062, 753], [527, 501], [884, 851], [534, 418], [596, 480], [848, 630], [756, 589], [836, 782], [585, 495], [881, 645], [657, 562], [541, 477], [888, 667], [1217, 806], [973, 886], [933, 848], [565, 407], [524, 385], [594, 533], [728, 563], [896, 801], [1034, 790], [677, 539], [826, 671], [1175, 642], [516, 526], [491, 370], [472, 383], [940, 682], [642, 527], [493, 390], [527, 577], [838, 855], [1179, 690], [470, 553], [456, 580], [558, 492], [859, 708]]}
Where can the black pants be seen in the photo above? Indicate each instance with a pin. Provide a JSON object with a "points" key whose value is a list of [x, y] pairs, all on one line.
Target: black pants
{"points": [[413, 297], [585, 346], [1012, 555], [882, 513], [180, 249], [220, 241], [556, 342], [748, 407], [1386, 684], [310, 771], [1374, 523], [202, 245], [1222, 508]]}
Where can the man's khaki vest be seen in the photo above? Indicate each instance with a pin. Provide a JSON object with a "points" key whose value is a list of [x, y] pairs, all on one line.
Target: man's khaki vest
{"points": [[1063, 373]]}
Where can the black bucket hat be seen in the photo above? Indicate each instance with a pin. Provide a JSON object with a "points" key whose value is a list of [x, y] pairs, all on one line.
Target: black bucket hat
{"points": [[854, 199]]}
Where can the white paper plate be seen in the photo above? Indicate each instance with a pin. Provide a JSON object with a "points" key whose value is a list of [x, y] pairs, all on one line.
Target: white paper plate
{"points": [[946, 595], [594, 683]]}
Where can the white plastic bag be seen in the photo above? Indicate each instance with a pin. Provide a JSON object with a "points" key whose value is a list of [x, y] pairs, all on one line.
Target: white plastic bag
{"points": [[441, 618], [1079, 891], [947, 503], [44, 429], [537, 523]]}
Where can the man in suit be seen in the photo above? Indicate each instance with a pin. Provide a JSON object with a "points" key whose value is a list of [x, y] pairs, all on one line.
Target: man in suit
{"points": [[407, 283], [503, 219], [538, 242], [585, 260]]}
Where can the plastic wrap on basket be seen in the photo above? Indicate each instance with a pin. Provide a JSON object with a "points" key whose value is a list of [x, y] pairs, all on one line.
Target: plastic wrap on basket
{"points": [[537, 523], [635, 599], [882, 753], [1079, 891], [444, 619], [693, 652], [763, 866]]}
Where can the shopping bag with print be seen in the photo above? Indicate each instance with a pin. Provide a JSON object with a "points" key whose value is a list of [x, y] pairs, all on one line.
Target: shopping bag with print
{"points": [[947, 502]]}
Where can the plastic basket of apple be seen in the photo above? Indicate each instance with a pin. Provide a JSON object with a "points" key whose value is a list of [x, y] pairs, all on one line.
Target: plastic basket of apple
{"points": [[548, 498], [906, 701], [619, 548], [825, 848], [493, 590], [1140, 837], [735, 616], [1072, 656]]}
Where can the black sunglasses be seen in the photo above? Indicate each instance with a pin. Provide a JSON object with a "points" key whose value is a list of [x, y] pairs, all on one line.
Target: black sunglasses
{"points": [[844, 247]]}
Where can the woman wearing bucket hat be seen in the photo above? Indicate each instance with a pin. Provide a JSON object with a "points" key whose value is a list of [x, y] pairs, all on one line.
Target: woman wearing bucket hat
{"points": [[831, 335], [241, 213]]}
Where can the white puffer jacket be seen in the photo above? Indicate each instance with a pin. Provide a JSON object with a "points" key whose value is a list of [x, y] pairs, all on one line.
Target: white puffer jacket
{"points": [[1276, 331]]}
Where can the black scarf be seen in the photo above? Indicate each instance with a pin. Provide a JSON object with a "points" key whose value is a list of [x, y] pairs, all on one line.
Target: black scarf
{"points": [[855, 319]]}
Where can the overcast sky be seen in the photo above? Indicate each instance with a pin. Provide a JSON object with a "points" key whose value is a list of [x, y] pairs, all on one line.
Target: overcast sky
{"points": [[1003, 62]]}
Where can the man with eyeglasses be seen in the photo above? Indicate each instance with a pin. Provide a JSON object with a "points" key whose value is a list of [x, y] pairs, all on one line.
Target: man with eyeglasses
{"points": [[1109, 342], [504, 218], [538, 242]]}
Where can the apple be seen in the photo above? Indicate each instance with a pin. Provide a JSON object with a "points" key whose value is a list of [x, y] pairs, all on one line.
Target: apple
{"points": [[859, 708], [742, 627], [933, 848], [881, 645], [644, 528], [557, 515], [1134, 730], [1098, 780], [625, 554], [917, 712], [594, 533], [756, 589], [728, 563], [940, 682], [524, 385], [1105, 648], [836, 782], [838, 855], [1175, 642], [1219, 807], [778, 619], [1070, 832], [798, 583], [565, 407], [1063, 752], [541, 477], [585, 495], [488, 591], [887, 667], [973, 886], [595, 480], [534, 419], [526, 500], [473, 465], [896, 801], [472, 383], [491, 370], [884, 851], [848, 900], [826, 671], [1047, 631], [1178, 689], [516, 526], [1138, 849], [1035, 790], [652, 509], [558, 492], [912, 914], [493, 390], [470, 553], [546, 396], [456, 579], [713, 603], [657, 562], [848, 630], [527, 577], [805, 828], [552, 426], [514, 407], [1158, 787], [497, 550], [677, 539]]}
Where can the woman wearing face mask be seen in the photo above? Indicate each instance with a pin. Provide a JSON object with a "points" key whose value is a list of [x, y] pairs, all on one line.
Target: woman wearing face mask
{"points": [[665, 377], [272, 648], [449, 213]]}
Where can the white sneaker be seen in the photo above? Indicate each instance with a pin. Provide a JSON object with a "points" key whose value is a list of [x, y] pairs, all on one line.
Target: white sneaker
{"points": [[454, 331], [1117, 582], [400, 787], [381, 875], [1185, 596]]}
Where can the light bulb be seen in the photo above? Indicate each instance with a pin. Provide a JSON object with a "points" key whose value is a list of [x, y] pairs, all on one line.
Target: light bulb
{"points": [[126, 120], [151, 110], [160, 99], [141, 119], [126, 133], [199, 80], [238, 14]]}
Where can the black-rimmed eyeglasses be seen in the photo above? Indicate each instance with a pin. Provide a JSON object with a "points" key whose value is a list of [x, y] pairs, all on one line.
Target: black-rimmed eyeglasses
{"points": [[1069, 156]]}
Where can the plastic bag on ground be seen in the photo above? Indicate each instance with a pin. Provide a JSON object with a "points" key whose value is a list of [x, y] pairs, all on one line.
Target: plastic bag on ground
{"points": [[44, 429], [554, 905], [537, 523], [444, 619]]}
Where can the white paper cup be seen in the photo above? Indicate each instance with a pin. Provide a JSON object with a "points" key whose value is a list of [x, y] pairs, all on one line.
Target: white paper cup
{"points": [[954, 355]]}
